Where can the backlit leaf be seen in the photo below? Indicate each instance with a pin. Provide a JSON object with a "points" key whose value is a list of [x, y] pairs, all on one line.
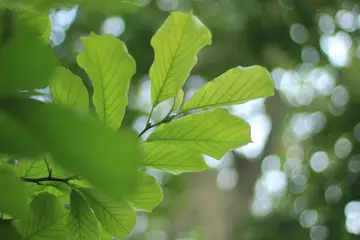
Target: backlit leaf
{"points": [[147, 194], [235, 86], [69, 90], [13, 200], [41, 22], [178, 100], [32, 168], [172, 158], [213, 133], [176, 45], [48, 221], [110, 68], [117, 218], [81, 145], [82, 223]]}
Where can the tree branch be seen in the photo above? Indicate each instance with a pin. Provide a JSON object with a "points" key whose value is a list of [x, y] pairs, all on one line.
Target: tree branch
{"points": [[49, 178]]}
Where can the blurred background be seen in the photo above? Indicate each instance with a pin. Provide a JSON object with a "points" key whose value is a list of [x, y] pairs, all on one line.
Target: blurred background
{"points": [[300, 177]]}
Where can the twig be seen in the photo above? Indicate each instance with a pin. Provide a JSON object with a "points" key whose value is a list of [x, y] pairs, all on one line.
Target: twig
{"points": [[49, 178], [48, 167]]}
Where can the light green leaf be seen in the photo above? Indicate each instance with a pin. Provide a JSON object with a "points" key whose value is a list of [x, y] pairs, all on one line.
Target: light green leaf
{"points": [[32, 168], [213, 133], [8, 231], [147, 194], [69, 90], [13, 200], [41, 22], [110, 68], [236, 86], [178, 100], [82, 145], [117, 218], [103, 234], [176, 45], [173, 159], [48, 221], [82, 223]]}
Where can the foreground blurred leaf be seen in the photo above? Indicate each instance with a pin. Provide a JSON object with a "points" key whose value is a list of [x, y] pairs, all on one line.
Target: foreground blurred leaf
{"points": [[172, 158], [110, 68], [40, 22], [117, 218], [213, 133], [82, 224], [25, 64], [8, 231], [48, 221], [81, 145], [147, 194], [176, 45], [69, 90], [235, 86], [13, 200]]}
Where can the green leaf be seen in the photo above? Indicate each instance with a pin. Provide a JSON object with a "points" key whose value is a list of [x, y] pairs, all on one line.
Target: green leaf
{"points": [[69, 90], [82, 223], [41, 22], [173, 159], [235, 86], [213, 133], [48, 221], [32, 168], [117, 218], [81, 145], [178, 100], [25, 64], [13, 200], [103, 234], [8, 231], [110, 68], [147, 194], [176, 45]]}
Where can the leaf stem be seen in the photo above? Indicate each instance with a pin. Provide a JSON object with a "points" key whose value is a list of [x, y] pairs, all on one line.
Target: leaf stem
{"points": [[49, 178]]}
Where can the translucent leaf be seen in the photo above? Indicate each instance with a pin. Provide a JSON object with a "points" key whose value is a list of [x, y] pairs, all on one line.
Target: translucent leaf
{"points": [[176, 45], [32, 168], [82, 223], [117, 218], [147, 194], [48, 221], [110, 68], [178, 100], [8, 231], [235, 86], [213, 133], [25, 64], [81, 145], [173, 159], [37, 21], [13, 200], [69, 90]]}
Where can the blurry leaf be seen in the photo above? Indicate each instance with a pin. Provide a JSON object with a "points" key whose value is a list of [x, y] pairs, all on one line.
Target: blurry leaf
{"points": [[213, 133], [40, 22], [48, 221], [117, 218], [26, 62], [8, 231], [147, 194], [178, 100], [176, 45], [13, 200], [235, 86], [110, 68], [172, 158], [32, 168], [82, 145], [69, 90], [103, 234], [82, 224]]}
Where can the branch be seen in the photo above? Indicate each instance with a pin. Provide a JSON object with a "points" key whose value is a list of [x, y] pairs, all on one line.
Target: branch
{"points": [[49, 178]]}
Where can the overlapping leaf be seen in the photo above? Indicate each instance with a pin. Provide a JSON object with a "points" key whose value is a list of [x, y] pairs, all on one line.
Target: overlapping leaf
{"points": [[178, 100], [235, 86], [82, 223], [172, 158], [82, 145], [213, 133], [32, 168], [8, 231], [176, 45], [117, 218], [69, 90], [48, 221], [13, 200], [147, 194], [110, 68]]}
